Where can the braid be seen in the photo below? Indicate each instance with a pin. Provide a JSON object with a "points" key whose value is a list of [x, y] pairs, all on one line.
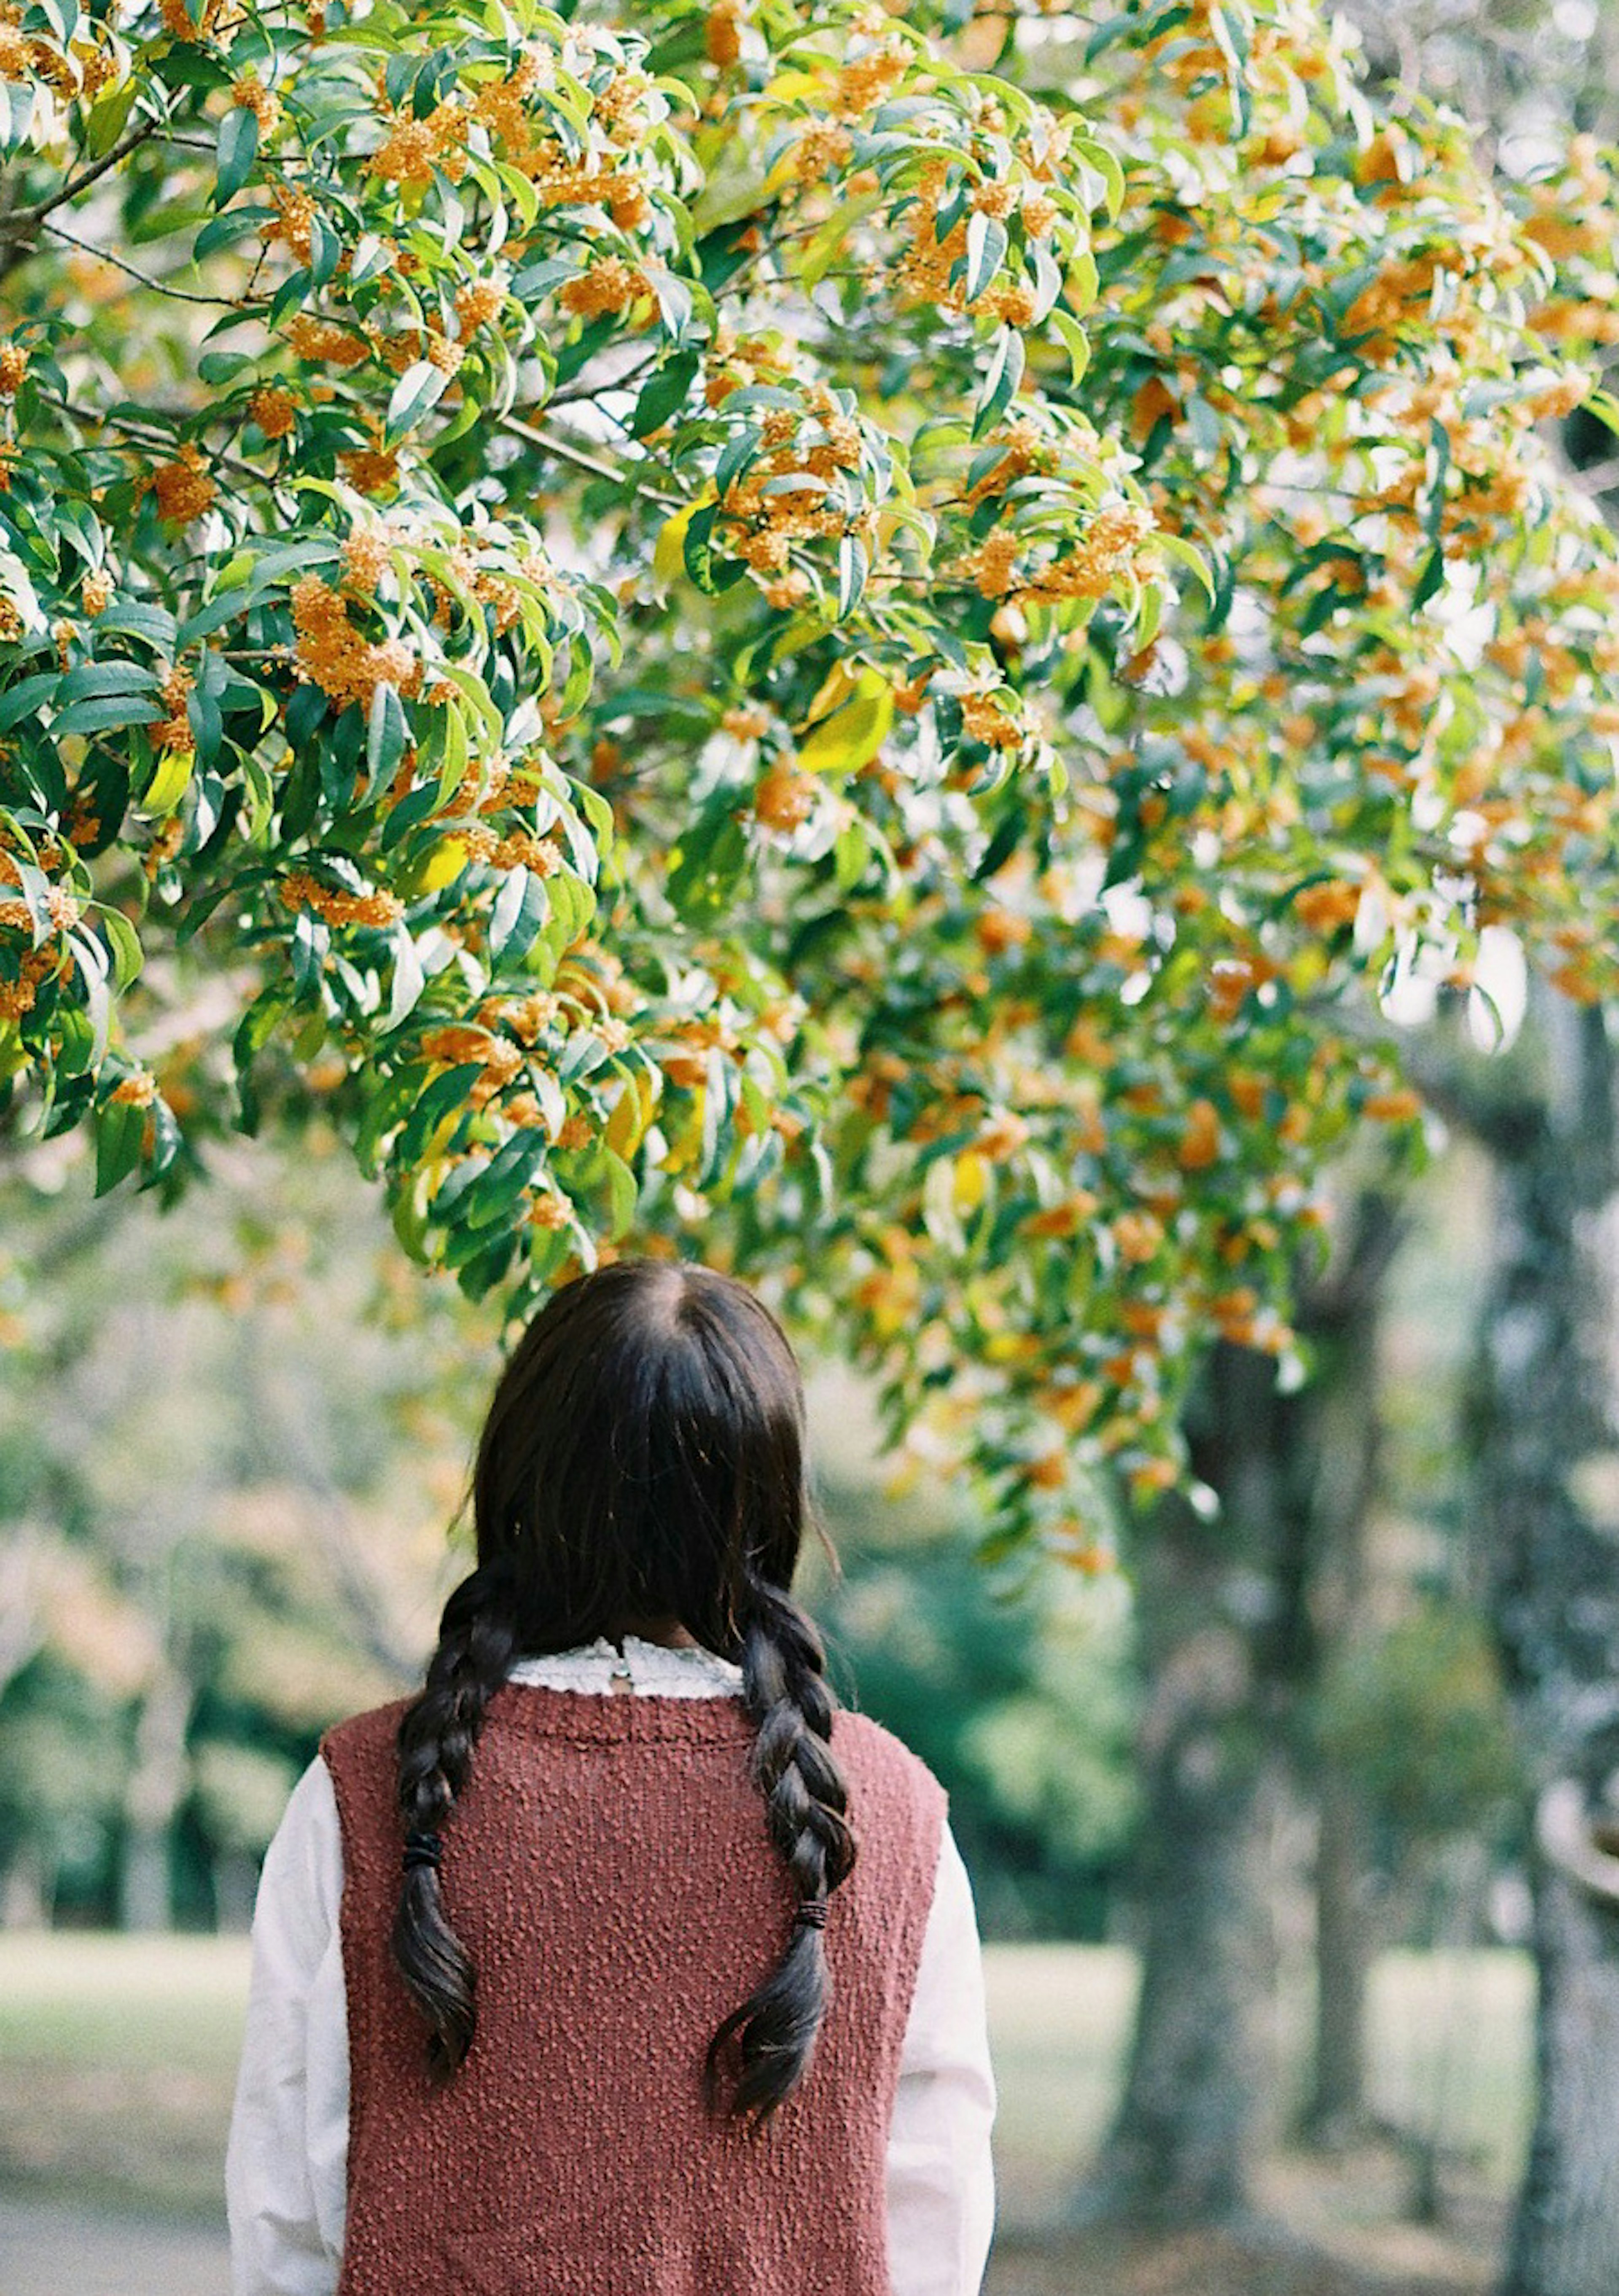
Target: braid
{"points": [[785, 1689], [440, 1730]]}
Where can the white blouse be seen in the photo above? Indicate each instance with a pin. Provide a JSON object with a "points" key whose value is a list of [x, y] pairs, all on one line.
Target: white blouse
{"points": [[286, 2167]]}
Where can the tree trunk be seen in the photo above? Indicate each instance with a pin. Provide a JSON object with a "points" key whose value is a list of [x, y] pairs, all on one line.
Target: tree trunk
{"points": [[1231, 1636], [1336, 2109], [1216, 1623], [1546, 1440], [1341, 1447], [152, 1800]]}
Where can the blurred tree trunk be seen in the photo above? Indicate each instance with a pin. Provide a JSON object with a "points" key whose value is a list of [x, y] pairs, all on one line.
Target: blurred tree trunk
{"points": [[1546, 1440], [1217, 1623], [1229, 1641], [152, 1801], [1341, 1437]]}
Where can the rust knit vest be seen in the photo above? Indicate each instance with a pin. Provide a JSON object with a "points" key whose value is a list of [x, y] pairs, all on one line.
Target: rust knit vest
{"points": [[609, 1871]]}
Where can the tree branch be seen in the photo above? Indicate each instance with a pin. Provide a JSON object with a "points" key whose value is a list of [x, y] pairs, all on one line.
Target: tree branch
{"points": [[142, 278], [19, 224], [581, 460]]}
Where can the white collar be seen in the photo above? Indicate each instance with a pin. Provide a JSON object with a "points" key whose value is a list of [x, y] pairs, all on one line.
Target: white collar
{"points": [[658, 1668]]}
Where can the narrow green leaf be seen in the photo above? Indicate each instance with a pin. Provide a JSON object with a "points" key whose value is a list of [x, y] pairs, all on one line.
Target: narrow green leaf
{"points": [[986, 251], [418, 390], [386, 734], [238, 149]]}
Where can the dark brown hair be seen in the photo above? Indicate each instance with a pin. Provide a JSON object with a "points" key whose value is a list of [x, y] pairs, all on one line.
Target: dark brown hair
{"points": [[643, 1460]]}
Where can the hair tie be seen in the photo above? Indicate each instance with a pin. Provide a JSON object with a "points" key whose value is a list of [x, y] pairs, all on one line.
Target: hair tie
{"points": [[423, 1850], [811, 1915]]}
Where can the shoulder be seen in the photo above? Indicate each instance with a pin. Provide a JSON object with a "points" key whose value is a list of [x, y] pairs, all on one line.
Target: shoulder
{"points": [[877, 1763], [364, 1739]]}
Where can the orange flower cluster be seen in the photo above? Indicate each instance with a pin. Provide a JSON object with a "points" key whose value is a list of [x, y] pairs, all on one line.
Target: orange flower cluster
{"points": [[761, 528], [185, 487], [526, 1017], [1024, 449], [174, 732], [332, 655], [323, 340], [1109, 549], [610, 285], [335, 903], [923, 275], [13, 366], [137, 1091], [519, 849], [274, 410], [1325, 908], [64, 912], [370, 470], [366, 555], [96, 592], [34, 966], [414, 147], [178, 18], [478, 303], [983, 720], [785, 798], [250, 92], [606, 180], [293, 223], [722, 32]]}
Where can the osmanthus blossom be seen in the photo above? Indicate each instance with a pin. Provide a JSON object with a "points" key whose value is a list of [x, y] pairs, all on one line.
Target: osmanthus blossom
{"points": [[841, 637]]}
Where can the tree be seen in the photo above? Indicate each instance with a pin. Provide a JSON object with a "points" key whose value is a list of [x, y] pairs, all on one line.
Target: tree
{"points": [[586, 582], [832, 638]]}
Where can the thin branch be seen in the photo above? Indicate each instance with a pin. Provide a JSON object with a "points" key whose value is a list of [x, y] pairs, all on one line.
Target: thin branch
{"points": [[577, 456], [158, 286], [22, 221]]}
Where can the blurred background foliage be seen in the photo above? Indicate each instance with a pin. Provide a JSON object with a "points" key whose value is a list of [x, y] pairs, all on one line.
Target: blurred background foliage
{"points": [[229, 1451]]}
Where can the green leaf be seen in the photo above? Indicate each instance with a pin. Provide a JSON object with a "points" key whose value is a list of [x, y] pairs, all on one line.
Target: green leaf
{"points": [[238, 149], [105, 714], [409, 978], [1001, 379], [109, 117], [665, 394], [386, 734], [1431, 578], [986, 251], [27, 698], [623, 1192], [1077, 341], [128, 955], [852, 567], [120, 1126], [418, 390]]}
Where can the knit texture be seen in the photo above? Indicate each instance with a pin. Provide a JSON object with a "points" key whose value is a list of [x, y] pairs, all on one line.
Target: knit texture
{"points": [[609, 1871]]}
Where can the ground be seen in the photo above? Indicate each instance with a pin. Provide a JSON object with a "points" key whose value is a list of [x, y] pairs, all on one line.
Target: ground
{"points": [[117, 2055]]}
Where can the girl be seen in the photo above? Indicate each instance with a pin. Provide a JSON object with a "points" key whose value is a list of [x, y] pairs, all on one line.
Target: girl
{"points": [[618, 1962]]}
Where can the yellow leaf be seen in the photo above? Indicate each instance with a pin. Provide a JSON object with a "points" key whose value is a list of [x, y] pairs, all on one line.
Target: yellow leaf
{"points": [[168, 782], [668, 552], [632, 1113], [442, 866], [971, 1180], [851, 717]]}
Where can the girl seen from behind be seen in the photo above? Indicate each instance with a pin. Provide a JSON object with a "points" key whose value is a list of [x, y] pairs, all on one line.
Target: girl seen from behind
{"points": [[619, 1962]]}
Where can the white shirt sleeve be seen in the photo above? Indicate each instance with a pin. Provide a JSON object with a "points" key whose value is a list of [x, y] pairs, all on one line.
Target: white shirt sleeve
{"points": [[286, 2165], [286, 2168], [940, 2174]]}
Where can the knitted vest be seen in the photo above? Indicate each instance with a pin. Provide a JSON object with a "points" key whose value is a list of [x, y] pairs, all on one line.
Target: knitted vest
{"points": [[609, 1872]]}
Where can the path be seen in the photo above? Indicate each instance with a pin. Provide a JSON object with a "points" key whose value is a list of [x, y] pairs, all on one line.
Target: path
{"points": [[51, 2250]]}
